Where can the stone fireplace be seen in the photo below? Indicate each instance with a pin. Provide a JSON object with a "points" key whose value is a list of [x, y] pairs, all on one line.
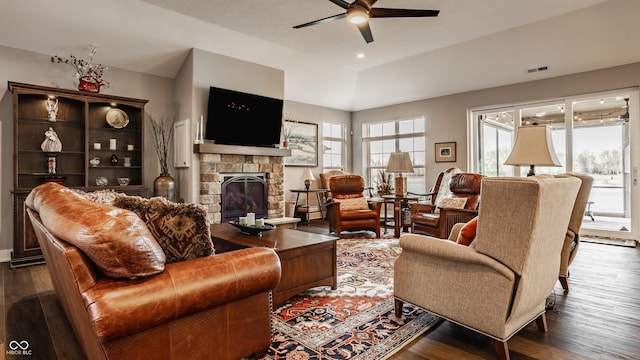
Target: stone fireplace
{"points": [[218, 161]]}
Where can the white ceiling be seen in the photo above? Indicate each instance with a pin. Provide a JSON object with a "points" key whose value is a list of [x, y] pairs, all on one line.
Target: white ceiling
{"points": [[471, 45]]}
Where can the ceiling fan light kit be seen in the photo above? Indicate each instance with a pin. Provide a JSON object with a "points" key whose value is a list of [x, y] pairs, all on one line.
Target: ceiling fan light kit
{"points": [[360, 11], [357, 15]]}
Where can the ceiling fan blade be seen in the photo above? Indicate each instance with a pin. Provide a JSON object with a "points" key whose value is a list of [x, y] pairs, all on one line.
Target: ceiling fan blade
{"points": [[386, 12], [343, 4], [365, 30], [320, 21]]}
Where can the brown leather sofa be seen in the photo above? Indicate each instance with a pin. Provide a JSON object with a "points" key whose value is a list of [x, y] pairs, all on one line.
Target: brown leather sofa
{"points": [[211, 307]]}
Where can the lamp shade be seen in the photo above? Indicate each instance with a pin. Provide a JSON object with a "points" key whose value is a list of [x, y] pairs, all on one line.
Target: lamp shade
{"points": [[399, 162], [533, 147], [307, 175]]}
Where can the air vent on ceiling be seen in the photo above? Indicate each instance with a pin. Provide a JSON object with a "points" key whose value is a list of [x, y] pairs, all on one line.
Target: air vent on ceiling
{"points": [[541, 68]]}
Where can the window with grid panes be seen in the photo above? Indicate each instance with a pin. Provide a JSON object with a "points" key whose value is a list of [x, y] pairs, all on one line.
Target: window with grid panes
{"points": [[382, 138]]}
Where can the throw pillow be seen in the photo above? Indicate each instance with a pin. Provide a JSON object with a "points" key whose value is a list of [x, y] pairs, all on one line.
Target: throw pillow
{"points": [[182, 230], [116, 240], [468, 232], [359, 203], [452, 203], [100, 196]]}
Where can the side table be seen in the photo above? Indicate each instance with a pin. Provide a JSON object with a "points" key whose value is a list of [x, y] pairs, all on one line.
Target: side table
{"points": [[306, 208], [397, 201]]}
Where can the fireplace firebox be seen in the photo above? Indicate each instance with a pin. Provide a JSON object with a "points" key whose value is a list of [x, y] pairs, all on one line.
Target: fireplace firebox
{"points": [[243, 193]]}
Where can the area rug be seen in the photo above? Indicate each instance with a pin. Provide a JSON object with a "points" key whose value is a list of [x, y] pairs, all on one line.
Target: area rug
{"points": [[355, 321]]}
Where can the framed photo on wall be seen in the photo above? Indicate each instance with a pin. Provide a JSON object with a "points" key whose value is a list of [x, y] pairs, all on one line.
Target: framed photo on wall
{"points": [[446, 152], [303, 143]]}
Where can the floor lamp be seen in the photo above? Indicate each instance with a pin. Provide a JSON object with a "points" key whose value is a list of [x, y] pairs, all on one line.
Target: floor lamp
{"points": [[400, 162], [533, 147]]}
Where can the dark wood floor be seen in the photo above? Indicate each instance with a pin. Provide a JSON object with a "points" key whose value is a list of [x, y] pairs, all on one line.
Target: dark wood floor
{"points": [[598, 319]]}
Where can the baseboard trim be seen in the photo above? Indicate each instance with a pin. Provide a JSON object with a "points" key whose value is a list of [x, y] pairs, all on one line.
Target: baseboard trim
{"points": [[5, 255]]}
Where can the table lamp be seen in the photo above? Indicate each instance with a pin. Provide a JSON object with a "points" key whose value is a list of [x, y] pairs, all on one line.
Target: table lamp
{"points": [[533, 147], [400, 162], [307, 176]]}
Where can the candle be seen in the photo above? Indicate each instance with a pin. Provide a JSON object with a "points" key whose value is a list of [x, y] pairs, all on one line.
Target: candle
{"points": [[259, 223], [96, 146], [251, 219], [242, 220], [201, 128], [130, 147], [112, 144], [197, 133]]}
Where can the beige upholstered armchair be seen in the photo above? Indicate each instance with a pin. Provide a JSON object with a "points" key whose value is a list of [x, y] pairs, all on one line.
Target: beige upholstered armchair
{"points": [[499, 283], [572, 239]]}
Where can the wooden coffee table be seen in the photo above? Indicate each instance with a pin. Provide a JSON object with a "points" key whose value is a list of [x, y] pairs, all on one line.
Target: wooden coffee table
{"points": [[308, 260]]}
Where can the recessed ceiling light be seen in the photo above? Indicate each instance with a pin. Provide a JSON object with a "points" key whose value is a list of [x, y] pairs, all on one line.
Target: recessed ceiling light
{"points": [[360, 55]]}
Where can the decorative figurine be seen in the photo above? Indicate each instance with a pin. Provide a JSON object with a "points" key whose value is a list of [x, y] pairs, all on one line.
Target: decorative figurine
{"points": [[114, 160], [51, 143], [52, 109]]}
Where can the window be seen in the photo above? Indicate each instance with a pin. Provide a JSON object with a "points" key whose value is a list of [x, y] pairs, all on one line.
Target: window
{"points": [[381, 139], [496, 131], [333, 143]]}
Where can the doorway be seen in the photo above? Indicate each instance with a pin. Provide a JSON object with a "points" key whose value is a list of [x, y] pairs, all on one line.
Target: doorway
{"points": [[592, 134]]}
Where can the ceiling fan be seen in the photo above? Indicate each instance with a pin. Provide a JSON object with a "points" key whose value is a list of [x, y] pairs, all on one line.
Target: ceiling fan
{"points": [[360, 11]]}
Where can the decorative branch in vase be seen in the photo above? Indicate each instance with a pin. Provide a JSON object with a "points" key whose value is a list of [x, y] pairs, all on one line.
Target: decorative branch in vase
{"points": [[88, 74], [288, 126], [162, 136]]}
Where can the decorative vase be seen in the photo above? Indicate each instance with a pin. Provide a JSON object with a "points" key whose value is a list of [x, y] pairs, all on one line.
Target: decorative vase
{"points": [[285, 144], [88, 85], [165, 186]]}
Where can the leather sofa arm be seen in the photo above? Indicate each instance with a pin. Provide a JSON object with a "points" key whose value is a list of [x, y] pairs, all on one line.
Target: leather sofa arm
{"points": [[119, 308]]}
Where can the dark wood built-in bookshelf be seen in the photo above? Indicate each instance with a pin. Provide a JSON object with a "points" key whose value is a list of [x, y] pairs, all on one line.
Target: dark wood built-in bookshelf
{"points": [[80, 123]]}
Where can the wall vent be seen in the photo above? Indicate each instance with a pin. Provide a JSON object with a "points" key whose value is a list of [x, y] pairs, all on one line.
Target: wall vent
{"points": [[541, 68]]}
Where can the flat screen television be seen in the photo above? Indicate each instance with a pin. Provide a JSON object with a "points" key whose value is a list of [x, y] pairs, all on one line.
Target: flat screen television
{"points": [[238, 118]]}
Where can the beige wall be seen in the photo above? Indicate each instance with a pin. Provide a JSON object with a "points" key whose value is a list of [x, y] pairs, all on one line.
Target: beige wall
{"points": [[446, 116]]}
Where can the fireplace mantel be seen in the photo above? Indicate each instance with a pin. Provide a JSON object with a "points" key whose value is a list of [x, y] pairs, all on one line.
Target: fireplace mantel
{"points": [[209, 148]]}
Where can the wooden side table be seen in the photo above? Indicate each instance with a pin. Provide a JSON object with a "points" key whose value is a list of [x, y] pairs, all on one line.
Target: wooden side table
{"points": [[397, 201], [306, 208]]}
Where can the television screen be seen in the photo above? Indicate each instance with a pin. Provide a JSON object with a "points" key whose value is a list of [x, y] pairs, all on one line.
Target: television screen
{"points": [[237, 118]]}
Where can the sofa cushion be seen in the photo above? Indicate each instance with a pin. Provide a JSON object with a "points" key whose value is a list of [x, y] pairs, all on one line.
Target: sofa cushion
{"points": [[468, 232], [182, 230], [115, 239]]}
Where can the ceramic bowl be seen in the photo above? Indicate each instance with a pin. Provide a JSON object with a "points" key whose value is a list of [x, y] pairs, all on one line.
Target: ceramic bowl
{"points": [[123, 181]]}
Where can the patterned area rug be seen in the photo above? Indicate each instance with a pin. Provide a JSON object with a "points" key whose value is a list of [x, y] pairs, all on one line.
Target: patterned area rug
{"points": [[355, 321]]}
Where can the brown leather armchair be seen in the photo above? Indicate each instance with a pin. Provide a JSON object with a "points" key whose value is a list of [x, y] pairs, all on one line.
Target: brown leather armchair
{"points": [[348, 210], [437, 220]]}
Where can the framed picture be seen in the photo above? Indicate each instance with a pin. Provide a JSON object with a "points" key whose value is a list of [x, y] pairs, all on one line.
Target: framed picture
{"points": [[446, 152], [303, 143]]}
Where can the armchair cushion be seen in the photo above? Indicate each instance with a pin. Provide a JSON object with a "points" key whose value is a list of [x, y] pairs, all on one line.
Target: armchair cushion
{"points": [[115, 239], [182, 230], [468, 232]]}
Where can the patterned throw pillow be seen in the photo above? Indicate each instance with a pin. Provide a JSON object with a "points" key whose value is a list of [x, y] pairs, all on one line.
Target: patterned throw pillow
{"points": [[451, 203], [182, 230], [359, 203], [99, 196]]}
